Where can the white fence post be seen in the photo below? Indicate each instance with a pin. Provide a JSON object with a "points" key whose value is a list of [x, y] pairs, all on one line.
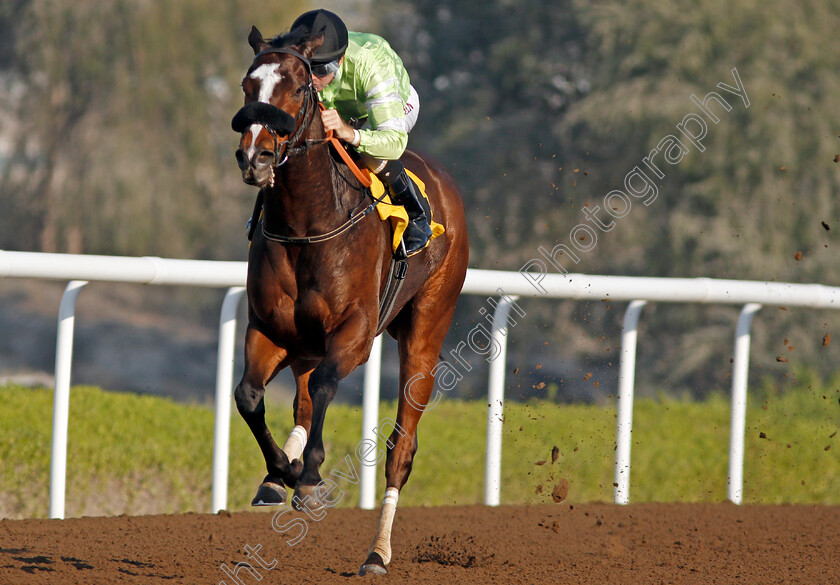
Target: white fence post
{"points": [[495, 403], [740, 369], [626, 381], [370, 416], [224, 393], [61, 395]]}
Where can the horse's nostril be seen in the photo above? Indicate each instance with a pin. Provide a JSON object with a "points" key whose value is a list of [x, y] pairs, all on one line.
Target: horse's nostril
{"points": [[264, 158], [241, 160]]}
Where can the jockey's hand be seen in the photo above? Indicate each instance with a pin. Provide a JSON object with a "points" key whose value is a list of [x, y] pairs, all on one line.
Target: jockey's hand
{"points": [[341, 130]]}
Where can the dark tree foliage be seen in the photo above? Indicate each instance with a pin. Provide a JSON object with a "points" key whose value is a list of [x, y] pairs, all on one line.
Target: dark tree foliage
{"points": [[542, 108]]}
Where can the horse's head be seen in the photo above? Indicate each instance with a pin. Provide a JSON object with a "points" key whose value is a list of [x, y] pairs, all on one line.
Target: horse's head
{"points": [[279, 104]]}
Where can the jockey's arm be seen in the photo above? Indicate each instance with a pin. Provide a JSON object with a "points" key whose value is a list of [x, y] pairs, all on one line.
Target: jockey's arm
{"points": [[383, 144], [380, 87], [380, 76], [387, 144]]}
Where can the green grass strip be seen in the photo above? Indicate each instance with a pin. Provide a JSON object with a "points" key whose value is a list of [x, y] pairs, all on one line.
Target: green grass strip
{"points": [[142, 454]]}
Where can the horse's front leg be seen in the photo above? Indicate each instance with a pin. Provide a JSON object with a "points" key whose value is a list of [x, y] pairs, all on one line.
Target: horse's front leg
{"points": [[348, 347], [293, 448], [262, 361]]}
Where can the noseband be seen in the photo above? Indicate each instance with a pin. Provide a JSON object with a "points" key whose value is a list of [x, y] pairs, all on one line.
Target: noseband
{"points": [[275, 120]]}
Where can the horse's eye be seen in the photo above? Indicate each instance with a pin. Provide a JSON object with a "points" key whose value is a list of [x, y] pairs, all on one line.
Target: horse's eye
{"points": [[299, 90]]}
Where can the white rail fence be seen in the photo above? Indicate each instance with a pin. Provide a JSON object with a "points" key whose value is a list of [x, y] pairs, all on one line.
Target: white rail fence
{"points": [[80, 269]]}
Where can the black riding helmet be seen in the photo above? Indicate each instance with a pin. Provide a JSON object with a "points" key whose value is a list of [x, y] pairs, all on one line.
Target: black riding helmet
{"points": [[334, 30]]}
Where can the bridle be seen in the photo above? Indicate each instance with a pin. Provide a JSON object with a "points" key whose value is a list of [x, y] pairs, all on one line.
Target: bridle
{"points": [[283, 149], [289, 148]]}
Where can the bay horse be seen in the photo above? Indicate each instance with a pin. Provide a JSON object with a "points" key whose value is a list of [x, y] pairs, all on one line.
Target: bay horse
{"points": [[316, 273]]}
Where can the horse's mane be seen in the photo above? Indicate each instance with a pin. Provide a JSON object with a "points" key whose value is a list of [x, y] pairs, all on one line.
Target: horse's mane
{"points": [[290, 38]]}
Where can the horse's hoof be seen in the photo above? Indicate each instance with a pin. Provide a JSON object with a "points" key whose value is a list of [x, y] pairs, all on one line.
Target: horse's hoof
{"points": [[308, 497], [373, 566], [270, 493]]}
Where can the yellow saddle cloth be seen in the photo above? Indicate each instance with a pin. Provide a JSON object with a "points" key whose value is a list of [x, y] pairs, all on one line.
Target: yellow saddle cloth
{"points": [[397, 213]]}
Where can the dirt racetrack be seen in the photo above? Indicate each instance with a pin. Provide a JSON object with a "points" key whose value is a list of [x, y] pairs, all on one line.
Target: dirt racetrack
{"points": [[562, 543]]}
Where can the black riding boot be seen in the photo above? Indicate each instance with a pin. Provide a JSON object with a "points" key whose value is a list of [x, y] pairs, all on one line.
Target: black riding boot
{"points": [[404, 192]]}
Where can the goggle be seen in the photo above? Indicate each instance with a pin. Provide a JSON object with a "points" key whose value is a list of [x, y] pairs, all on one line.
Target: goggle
{"points": [[322, 70]]}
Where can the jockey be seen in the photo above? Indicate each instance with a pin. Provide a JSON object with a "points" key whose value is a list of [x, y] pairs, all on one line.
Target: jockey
{"points": [[361, 80]]}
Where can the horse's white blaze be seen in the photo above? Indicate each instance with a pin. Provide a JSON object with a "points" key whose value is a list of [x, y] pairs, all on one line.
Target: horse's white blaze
{"points": [[269, 78], [382, 542], [295, 443], [252, 148]]}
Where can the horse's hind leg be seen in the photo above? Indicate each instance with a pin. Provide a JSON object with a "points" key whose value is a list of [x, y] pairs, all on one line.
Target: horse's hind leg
{"points": [[262, 360], [419, 349]]}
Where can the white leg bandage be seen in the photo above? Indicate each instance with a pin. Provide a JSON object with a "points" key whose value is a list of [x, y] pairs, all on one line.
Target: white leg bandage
{"points": [[382, 542], [295, 443]]}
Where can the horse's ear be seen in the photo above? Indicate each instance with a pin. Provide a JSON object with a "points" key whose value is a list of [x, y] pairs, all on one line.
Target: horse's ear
{"points": [[310, 46], [255, 39]]}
